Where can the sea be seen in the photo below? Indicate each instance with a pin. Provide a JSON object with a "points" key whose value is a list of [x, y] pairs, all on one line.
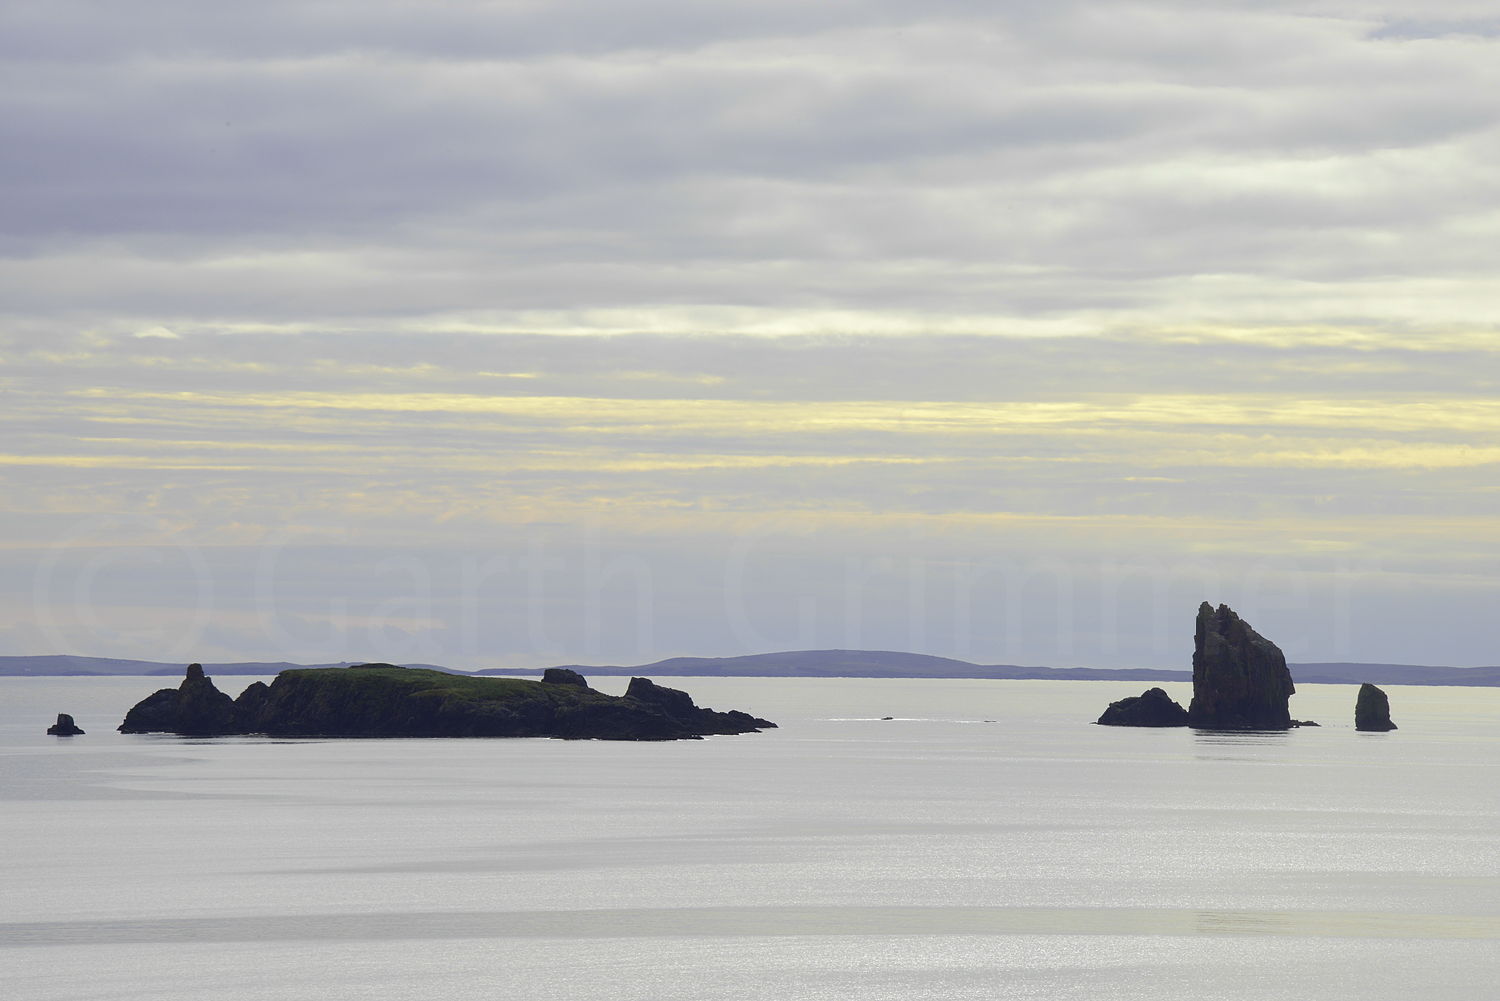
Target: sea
{"points": [[893, 839]]}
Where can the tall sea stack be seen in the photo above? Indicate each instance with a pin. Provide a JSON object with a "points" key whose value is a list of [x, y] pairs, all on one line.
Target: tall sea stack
{"points": [[1240, 678]]}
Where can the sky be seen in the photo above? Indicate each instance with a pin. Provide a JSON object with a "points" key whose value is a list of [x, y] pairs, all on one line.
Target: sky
{"points": [[513, 334]]}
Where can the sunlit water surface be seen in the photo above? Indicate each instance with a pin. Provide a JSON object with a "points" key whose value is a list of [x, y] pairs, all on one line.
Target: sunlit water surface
{"points": [[987, 842]]}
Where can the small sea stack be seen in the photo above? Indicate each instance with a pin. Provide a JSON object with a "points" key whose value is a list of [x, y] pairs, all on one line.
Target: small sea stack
{"points": [[1153, 707], [64, 727], [1240, 678], [1372, 709]]}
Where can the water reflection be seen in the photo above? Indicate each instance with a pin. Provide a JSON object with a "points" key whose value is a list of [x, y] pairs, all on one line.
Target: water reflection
{"points": [[761, 922], [1254, 738], [1227, 742]]}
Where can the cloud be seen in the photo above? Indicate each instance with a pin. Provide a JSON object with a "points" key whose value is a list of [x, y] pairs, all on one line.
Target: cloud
{"points": [[302, 487], [1409, 29], [1082, 166], [1147, 283]]}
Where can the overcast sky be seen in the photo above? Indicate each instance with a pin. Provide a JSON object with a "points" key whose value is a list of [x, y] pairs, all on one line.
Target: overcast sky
{"points": [[504, 334]]}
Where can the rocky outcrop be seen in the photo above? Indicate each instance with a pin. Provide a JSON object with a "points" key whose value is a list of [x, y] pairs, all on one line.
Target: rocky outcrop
{"points": [[1153, 707], [1372, 709], [64, 727], [679, 707], [1240, 678], [563, 676], [382, 700], [193, 708]]}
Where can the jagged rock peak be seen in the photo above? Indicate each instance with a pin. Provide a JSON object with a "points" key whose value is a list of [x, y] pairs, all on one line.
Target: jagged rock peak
{"points": [[1372, 709], [195, 708], [1240, 678], [1153, 707], [563, 676]]}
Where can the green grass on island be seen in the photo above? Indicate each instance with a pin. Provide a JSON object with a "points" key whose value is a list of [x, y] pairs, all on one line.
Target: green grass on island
{"points": [[381, 680]]}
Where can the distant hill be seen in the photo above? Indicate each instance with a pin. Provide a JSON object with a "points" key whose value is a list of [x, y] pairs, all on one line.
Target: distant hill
{"points": [[801, 664], [886, 664], [1393, 674], [62, 666], [861, 664]]}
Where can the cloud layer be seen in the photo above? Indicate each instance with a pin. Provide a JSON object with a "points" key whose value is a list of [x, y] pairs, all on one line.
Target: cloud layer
{"points": [[674, 166], [1008, 331], [484, 501]]}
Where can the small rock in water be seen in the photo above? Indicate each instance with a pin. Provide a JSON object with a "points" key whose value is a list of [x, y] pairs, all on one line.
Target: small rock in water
{"points": [[1153, 707], [64, 727], [1372, 709]]}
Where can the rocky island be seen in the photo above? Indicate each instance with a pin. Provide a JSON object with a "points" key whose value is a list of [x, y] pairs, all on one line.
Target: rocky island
{"points": [[64, 727], [383, 700], [1240, 682]]}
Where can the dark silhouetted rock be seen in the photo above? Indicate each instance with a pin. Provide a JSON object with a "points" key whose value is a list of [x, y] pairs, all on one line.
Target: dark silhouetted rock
{"points": [[194, 708], [1372, 710], [64, 727], [382, 700], [669, 700], [1153, 707], [679, 707], [563, 676], [1240, 678], [252, 701]]}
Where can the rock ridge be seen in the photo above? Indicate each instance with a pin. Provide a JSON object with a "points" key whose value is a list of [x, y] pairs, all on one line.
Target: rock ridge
{"points": [[382, 700]]}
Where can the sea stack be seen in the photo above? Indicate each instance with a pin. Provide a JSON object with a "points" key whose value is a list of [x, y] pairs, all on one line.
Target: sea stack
{"points": [[1153, 707], [1372, 710], [65, 727], [194, 708], [1240, 678]]}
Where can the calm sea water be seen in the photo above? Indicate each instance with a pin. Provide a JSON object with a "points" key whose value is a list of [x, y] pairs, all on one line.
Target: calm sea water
{"points": [[987, 842]]}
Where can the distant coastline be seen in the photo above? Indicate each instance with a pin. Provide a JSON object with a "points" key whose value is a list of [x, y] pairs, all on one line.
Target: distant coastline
{"points": [[799, 664]]}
